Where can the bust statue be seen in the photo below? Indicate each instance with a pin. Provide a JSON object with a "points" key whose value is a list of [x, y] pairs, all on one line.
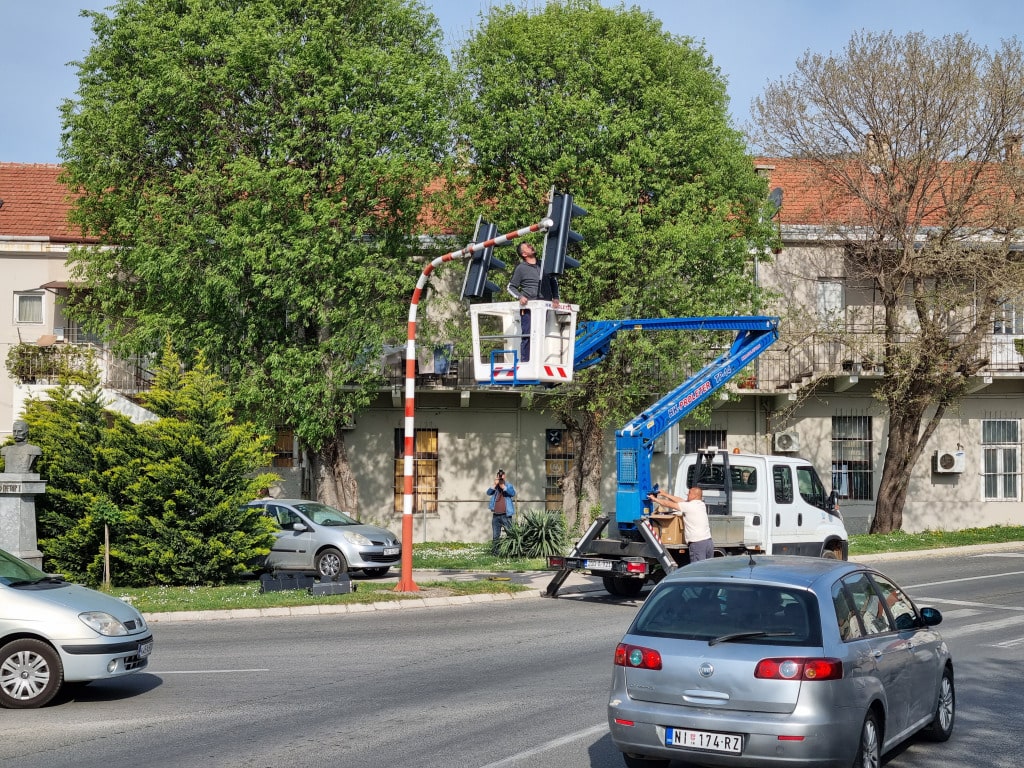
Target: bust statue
{"points": [[18, 458]]}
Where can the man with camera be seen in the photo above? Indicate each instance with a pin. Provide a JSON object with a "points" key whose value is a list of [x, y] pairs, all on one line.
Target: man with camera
{"points": [[501, 505]]}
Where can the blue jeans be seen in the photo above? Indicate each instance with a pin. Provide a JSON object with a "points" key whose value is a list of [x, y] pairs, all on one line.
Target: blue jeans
{"points": [[524, 343], [497, 523]]}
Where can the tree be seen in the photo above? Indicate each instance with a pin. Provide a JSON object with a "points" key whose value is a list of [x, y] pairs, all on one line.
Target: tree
{"points": [[604, 104], [170, 491], [258, 168], [908, 134]]}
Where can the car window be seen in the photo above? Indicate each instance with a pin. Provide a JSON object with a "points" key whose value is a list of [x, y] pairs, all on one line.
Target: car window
{"points": [[321, 514], [868, 604], [901, 609], [14, 569], [706, 611], [847, 615], [743, 478]]}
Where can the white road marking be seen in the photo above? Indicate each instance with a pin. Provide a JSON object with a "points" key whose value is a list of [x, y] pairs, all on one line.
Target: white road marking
{"points": [[513, 759], [202, 671]]}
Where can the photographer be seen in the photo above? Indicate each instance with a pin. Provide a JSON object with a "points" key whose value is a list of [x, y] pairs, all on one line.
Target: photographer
{"points": [[501, 505]]}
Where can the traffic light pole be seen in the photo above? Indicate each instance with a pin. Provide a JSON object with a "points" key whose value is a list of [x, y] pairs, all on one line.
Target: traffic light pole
{"points": [[406, 583]]}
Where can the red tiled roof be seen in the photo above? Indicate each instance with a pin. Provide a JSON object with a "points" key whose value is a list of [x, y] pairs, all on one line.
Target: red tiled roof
{"points": [[35, 203]]}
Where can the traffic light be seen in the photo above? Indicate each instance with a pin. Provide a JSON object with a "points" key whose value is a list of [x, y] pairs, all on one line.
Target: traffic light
{"points": [[561, 211], [476, 285]]}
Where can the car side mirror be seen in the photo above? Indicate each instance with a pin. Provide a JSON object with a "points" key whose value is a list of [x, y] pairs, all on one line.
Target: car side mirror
{"points": [[297, 526], [931, 616]]}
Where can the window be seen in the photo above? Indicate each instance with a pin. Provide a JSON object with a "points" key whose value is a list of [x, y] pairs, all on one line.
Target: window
{"points": [[696, 439], [28, 307], [1008, 319], [783, 480], [284, 447], [424, 471], [831, 301], [852, 475], [1000, 456], [558, 460]]}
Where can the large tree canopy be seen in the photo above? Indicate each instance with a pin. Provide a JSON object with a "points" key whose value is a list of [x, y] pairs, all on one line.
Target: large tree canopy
{"points": [[606, 105], [917, 143], [259, 167]]}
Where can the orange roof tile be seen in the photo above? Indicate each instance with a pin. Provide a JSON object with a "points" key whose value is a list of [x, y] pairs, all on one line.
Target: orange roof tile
{"points": [[35, 203]]}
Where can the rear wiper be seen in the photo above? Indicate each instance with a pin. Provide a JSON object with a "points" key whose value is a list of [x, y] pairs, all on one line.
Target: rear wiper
{"points": [[745, 635]]}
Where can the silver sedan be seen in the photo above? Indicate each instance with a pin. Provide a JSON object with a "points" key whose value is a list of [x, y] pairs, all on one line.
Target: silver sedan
{"points": [[776, 661]]}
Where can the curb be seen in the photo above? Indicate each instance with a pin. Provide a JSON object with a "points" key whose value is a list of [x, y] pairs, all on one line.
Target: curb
{"points": [[335, 609]]}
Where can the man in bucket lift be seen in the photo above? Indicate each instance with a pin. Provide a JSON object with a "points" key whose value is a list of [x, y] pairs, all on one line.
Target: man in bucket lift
{"points": [[528, 283]]}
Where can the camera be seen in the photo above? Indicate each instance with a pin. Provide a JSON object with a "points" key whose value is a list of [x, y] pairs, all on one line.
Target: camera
{"points": [[501, 473]]}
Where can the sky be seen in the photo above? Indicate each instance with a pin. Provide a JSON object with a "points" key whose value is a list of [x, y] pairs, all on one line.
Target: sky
{"points": [[752, 42]]}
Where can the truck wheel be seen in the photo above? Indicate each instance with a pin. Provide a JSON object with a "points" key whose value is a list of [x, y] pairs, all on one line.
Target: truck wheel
{"points": [[622, 586]]}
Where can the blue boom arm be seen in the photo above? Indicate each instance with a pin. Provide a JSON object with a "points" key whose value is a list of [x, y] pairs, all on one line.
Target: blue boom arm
{"points": [[634, 443]]}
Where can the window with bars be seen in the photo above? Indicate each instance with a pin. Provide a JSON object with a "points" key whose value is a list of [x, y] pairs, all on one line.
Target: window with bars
{"points": [[697, 439], [284, 447], [559, 456], [28, 307], [1000, 457], [852, 473], [424, 472]]}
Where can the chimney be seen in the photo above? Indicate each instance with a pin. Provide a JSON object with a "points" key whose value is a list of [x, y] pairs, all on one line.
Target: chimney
{"points": [[1011, 147]]}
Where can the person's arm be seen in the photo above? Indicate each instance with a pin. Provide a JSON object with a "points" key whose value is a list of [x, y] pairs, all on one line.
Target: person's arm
{"points": [[490, 490], [515, 283], [510, 490]]}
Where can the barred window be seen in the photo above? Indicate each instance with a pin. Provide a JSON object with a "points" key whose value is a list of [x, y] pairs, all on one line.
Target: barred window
{"points": [[852, 473], [559, 456], [424, 471], [697, 439], [1000, 456]]}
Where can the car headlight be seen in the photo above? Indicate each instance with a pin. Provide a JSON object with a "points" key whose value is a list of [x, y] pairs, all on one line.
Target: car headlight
{"points": [[357, 538], [103, 623]]}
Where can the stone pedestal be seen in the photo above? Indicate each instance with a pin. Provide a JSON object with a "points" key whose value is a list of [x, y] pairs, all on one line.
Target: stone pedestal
{"points": [[18, 491]]}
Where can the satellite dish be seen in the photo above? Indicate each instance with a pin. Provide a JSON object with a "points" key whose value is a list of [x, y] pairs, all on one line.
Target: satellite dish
{"points": [[775, 196]]}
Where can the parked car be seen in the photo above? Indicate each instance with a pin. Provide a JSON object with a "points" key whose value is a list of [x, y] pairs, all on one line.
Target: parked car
{"points": [[53, 632], [316, 537], [774, 661]]}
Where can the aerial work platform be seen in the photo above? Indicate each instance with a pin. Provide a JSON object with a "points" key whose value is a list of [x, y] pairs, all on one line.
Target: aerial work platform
{"points": [[497, 342]]}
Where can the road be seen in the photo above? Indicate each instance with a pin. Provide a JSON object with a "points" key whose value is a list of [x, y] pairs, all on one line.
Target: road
{"points": [[491, 685]]}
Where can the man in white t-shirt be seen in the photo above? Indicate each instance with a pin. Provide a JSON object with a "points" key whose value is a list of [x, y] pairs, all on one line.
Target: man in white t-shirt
{"points": [[696, 527]]}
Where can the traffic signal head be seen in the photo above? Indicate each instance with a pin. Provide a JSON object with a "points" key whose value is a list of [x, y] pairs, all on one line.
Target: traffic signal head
{"points": [[476, 285], [561, 212]]}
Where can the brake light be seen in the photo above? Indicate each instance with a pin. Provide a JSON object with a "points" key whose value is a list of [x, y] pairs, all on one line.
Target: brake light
{"points": [[556, 562], [799, 669], [640, 567], [637, 657]]}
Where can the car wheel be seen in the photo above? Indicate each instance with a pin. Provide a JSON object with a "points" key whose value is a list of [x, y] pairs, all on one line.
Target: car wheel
{"points": [[636, 761], [330, 563], [869, 753], [622, 586], [376, 573], [941, 727], [30, 674]]}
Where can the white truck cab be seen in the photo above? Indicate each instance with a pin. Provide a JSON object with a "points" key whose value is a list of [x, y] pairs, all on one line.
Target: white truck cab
{"points": [[758, 502]]}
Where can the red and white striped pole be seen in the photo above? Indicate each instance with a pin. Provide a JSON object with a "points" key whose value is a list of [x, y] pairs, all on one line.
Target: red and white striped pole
{"points": [[406, 583]]}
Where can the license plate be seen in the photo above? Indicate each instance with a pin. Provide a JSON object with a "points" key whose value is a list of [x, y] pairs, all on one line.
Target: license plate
{"points": [[145, 649], [716, 742], [391, 550], [598, 565]]}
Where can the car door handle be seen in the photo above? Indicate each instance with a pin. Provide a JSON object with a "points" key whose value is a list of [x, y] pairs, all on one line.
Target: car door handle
{"points": [[877, 653]]}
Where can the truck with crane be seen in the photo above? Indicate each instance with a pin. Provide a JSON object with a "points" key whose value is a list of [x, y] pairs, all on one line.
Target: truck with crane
{"points": [[757, 503]]}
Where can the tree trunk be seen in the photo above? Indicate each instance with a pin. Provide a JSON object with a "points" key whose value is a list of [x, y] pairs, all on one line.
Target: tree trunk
{"points": [[906, 442], [331, 474], [581, 493]]}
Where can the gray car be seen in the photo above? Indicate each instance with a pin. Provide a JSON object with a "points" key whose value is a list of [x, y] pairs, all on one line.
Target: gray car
{"points": [[315, 537], [52, 632], [774, 661]]}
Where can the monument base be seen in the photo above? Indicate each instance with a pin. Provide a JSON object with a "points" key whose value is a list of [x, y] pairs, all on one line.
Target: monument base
{"points": [[18, 491]]}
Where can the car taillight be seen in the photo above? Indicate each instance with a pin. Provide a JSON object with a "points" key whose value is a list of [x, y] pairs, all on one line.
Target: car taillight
{"points": [[799, 669], [637, 657], [556, 562]]}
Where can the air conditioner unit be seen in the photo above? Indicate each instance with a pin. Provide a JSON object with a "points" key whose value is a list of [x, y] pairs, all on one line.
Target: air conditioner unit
{"points": [[947, 462], [786, 442]]}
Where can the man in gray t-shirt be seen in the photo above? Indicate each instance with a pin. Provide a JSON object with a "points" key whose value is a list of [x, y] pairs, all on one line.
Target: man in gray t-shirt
{"points": [[528, 283]]}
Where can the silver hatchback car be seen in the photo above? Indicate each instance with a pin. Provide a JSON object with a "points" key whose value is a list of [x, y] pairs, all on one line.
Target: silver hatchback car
{"points": [[315, 537], [774, 661], [52, 632]]}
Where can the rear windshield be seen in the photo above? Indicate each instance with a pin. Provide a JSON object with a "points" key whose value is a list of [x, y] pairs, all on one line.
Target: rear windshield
{"points": [[752, 613]]}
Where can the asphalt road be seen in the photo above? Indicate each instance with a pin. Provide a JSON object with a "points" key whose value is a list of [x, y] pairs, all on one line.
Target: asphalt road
{"points": [[492, 685]]}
